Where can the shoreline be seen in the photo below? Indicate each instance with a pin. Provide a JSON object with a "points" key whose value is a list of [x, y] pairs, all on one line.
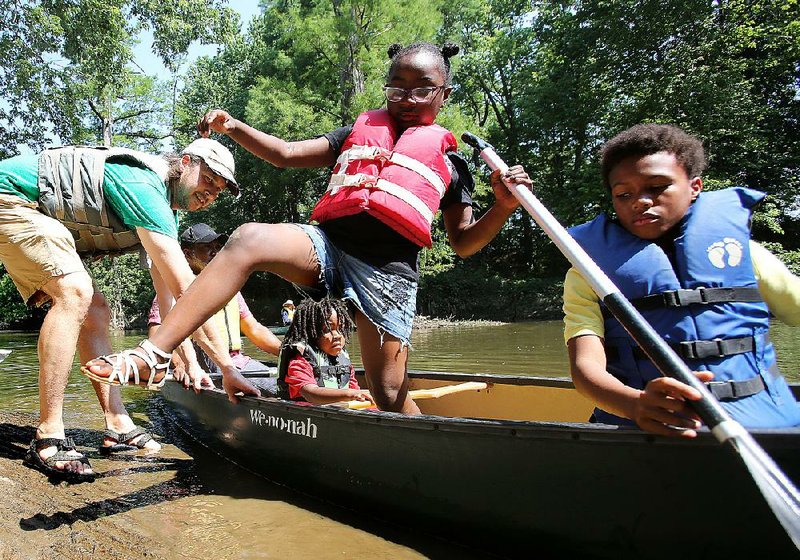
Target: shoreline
{"points": [[423, 322], [47, 520], [183, 502]]}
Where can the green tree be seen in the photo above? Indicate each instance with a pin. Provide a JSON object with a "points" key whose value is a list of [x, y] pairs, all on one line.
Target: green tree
{"points": [[286, 76], [65, 75], [553, 80], [61, 58]]}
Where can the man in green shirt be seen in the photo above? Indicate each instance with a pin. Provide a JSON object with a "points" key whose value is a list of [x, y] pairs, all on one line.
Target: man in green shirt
{"points": [[71, 203]]}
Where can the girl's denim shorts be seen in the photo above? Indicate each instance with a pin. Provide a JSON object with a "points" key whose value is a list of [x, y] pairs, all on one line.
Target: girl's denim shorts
{"points": [[387, 300]]}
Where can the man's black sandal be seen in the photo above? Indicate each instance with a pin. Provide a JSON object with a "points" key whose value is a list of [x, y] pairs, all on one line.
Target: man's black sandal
{"points": [[123, 441], [48, 466]]}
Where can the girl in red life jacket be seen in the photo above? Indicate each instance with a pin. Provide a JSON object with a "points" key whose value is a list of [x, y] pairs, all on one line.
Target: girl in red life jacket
{"points": [[393, 169]]}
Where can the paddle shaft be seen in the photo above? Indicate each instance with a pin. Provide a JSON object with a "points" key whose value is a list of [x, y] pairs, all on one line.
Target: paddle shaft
{"points": [[433, 393], [664, 358]]}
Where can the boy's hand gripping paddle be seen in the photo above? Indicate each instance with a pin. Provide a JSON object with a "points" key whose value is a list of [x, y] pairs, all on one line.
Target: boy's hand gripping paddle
{"points": [[779, 492]]}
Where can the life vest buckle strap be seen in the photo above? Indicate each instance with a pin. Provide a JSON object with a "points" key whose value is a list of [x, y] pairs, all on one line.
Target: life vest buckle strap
{"points": [[340, 180], [730, 390], [376, 153], [715, 348], [701, 296], [699, 349], [384, 155]]}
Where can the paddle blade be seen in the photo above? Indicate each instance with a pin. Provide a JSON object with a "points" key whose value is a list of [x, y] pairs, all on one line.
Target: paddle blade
{"points": [[779, 492]]}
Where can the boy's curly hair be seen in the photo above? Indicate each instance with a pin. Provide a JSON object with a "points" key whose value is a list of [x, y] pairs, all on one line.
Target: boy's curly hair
{"points": [[647, 139], [442, 55], [311, 317]]}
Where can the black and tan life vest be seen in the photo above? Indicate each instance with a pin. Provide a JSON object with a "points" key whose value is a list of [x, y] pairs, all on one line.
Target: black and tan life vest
{"points": [[71, 191]]}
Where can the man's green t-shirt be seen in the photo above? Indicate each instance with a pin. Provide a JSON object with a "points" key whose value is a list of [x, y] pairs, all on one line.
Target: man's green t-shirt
{"points": [[135, 194]]}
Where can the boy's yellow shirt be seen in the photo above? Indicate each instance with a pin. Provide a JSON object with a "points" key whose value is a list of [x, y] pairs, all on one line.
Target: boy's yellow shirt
{"points": [[778, 286]]}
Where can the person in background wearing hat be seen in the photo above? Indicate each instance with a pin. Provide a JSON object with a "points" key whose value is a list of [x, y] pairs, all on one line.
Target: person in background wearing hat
{"points": [[70, 203], [200, 243], [287, 312]]}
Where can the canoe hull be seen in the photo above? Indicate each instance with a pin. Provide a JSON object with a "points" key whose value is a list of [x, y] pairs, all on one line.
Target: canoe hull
{"points": [[519, 488]]}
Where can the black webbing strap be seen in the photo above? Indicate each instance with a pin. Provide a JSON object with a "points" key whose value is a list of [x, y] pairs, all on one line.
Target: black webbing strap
{"points": [[682, 298], [717, 348], [699, 349], [729, 390], [723, 390]]}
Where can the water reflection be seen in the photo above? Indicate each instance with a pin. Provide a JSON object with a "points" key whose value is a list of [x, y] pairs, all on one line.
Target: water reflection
{"points": [[198, 503], [514, 348]]}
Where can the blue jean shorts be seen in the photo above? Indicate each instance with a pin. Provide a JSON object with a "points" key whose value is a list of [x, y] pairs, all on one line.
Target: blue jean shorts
{"points": [[389, 301]]}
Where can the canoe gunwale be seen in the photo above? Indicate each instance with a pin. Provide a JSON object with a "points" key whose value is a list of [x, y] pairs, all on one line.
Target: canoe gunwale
{"points": [[520, 380], [602, 434]]}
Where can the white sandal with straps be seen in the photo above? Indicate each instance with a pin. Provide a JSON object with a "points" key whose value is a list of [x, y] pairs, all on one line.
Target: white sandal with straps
{"points": [[123, 366]]}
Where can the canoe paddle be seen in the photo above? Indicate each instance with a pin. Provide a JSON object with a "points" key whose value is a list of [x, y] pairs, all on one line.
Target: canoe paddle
{"points": [[417, 394], [779, 492]]}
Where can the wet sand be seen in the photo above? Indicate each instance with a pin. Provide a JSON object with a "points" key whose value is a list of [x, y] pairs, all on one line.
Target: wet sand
{"points": [[43, 520], [183, 502], [186, 502]]}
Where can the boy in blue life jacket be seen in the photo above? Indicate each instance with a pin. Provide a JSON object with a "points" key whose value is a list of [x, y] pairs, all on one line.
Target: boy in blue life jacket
{"points": [[685, 259]]}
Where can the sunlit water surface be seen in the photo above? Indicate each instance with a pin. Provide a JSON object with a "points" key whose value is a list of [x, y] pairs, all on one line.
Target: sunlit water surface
{"points": [[220, 515]]}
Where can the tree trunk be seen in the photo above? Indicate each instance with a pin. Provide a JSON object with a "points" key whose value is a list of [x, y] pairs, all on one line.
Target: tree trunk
{"points": [[114, 298], [351, 76]]}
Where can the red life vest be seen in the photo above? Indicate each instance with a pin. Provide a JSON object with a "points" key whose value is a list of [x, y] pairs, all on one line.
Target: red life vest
{"points": [[398, 180]]}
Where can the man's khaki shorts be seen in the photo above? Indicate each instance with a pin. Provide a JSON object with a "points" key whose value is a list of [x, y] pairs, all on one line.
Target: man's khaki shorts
{"points": [[33, 247]]}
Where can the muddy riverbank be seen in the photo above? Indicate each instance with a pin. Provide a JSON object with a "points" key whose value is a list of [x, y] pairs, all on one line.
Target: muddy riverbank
{"points": [[43, 520], [183, 502]]}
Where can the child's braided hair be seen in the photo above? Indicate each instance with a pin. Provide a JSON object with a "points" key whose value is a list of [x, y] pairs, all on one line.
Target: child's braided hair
{"points": [[442, 55], [311, 317]]}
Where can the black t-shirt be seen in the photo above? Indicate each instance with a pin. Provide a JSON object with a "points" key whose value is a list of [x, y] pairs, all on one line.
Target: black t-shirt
{"points": [[372, 241]]}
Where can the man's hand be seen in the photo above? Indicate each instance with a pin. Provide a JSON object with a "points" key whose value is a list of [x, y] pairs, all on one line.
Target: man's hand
{"points": [[198, 379], [235, 384], [194, 378]]}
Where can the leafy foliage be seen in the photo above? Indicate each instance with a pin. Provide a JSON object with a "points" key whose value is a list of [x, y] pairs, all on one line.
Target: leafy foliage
{"points": [[545, 82], [127, 287], [63, 60]]}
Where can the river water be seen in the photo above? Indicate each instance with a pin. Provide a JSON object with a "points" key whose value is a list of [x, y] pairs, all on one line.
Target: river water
{"points": [[238, 515]]}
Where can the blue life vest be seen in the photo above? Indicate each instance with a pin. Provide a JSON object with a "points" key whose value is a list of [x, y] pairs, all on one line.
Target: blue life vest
{"points": [[724, 335], [329, 371]]}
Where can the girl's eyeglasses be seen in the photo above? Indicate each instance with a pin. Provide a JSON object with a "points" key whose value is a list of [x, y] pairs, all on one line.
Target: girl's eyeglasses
{"points": [[417, 95]]}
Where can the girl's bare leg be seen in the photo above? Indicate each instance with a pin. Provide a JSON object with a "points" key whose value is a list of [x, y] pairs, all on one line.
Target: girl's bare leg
{"points": [[279, 248], [282, 249], [385, 366]]}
